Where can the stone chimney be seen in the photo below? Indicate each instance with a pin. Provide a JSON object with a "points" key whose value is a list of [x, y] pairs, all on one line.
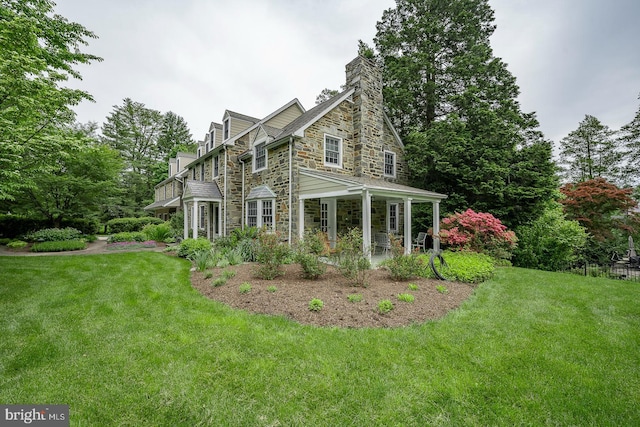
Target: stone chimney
{"points": [[365, 77]]}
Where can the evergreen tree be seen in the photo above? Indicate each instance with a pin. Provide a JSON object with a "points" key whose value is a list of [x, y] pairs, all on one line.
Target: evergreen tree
{"points": [[174, 132], [630, 138], [456, 105], [590, 152]]}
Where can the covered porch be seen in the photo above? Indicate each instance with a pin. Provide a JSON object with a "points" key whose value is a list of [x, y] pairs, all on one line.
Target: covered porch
{"points": [[334, 203], [202, 204]]}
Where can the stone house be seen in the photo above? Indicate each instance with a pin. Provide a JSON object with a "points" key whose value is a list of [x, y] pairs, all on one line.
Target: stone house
{"points": [[336, 166]]}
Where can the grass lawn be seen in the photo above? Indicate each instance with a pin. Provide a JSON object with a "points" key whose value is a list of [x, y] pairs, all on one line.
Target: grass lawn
{"points": [[125, 341]]}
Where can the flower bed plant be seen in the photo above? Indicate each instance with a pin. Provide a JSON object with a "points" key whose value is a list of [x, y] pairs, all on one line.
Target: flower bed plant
{"points": [[61, 246]]}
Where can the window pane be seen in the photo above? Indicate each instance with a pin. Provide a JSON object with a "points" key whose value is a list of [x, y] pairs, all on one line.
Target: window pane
{"points": [[267, 213], [332, 151], [252, 214]]}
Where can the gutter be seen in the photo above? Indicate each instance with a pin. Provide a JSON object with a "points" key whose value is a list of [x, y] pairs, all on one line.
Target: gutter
{"points": [[290, 186], [224, 220]]}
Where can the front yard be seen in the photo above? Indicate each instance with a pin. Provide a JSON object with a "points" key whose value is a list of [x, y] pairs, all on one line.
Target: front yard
{"points": [[124, 339]]}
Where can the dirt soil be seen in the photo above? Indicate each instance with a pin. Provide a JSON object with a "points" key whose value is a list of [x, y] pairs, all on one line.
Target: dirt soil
{"points": [[291, 299]]}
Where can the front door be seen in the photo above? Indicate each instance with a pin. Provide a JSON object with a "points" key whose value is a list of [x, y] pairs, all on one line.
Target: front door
{"points": [[328, 219]]}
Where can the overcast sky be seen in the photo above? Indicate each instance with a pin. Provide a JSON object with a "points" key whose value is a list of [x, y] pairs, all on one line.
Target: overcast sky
{"points": [[200, 57]]}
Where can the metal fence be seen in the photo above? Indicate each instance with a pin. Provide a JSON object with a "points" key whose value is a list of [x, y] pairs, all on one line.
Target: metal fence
{"points": [[621, 271]]}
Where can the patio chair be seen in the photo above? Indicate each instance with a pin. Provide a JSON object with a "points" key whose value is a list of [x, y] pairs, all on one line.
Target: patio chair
{"points": [[381, 240], [420, 242]]}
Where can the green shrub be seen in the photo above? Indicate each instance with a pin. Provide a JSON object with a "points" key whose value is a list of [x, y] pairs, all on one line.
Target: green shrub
{"points": [[63, 245], [354, 297], [4, 240], [208, 274], [54, 235], [219, 281], [385, 306], [271, 255], [234, 257], [127, 236], [413, 286], [189, 247], [90, 238], [307, 254], [463, 266], [272, 289], [442, 289], [406, 297], [16, 244], [119, 225], [404, 267], [202, 260], [351, 259], [316, 304], [158, 232], [551, 242], [244, 288], [228, 274]]}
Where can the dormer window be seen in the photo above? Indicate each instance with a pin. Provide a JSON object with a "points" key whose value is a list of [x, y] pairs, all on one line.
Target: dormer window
{"points": [[225, 128], [332, 151], [390, 164], [259, 156]]}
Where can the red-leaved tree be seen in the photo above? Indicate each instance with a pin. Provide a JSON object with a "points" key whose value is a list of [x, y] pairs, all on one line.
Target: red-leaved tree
{"points": [[600, 207], [478, 232]]}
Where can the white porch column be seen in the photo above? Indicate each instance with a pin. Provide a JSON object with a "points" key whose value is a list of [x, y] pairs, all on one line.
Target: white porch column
{"points": [[185, 210], [300, 219], [194, 219], [436, 226], [407, 226], [366, 222], [219, 221]]}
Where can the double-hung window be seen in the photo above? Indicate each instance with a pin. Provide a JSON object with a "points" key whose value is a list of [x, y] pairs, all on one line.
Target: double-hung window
{"points": [[392, 217], [252, 213], [216, 167], [259, 157], [202, 171], [390, 164], [332, 151], [267, 214]]}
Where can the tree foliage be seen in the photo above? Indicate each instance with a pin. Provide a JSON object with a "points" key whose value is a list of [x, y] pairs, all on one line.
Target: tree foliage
{"points": [[630, 138], [38, 52], [599, 206], [456, 105], [591, 151]]}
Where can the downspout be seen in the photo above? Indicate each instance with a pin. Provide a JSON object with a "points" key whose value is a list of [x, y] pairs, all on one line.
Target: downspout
{"points": [[242, 194], [224, 225], [290, 186]]}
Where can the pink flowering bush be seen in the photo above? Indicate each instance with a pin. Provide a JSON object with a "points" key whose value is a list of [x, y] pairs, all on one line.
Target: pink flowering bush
{"points": [[478, 232]]}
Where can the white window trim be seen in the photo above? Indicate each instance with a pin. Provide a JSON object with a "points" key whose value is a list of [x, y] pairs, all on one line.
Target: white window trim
{"points": [[226, 128], [384, 165], [324, 152], [266, 156], [215, 166], [389, 229], [259, 222]]}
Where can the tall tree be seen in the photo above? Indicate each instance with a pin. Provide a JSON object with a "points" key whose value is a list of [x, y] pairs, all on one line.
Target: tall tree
{"points": [[630, 138], [456, 104], [38, 50], [79, 180], [591, 151], [174, 132]]}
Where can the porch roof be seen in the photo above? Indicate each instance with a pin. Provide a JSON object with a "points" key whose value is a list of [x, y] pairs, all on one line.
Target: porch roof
{"points": [[315, 184], [168, 203], [202, 191]]}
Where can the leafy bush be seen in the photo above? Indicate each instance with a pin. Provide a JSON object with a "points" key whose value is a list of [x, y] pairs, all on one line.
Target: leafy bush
{"points": [[316, 304], [271, 255], [244, 288], [202, 260], [351, 259], [551, 242], [385, 306], [63, 245], [4, 240], [127, 236], [219, 281], [16, 244], [189, 247], [158, 232], [272, 289], [478, 232], [234, 257], [308, 252], [404, 267], [413, 286], [119, 225], [442, 289], [464, 266], [54, 235], [354, 297], [12, 226], [406, 297]]}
